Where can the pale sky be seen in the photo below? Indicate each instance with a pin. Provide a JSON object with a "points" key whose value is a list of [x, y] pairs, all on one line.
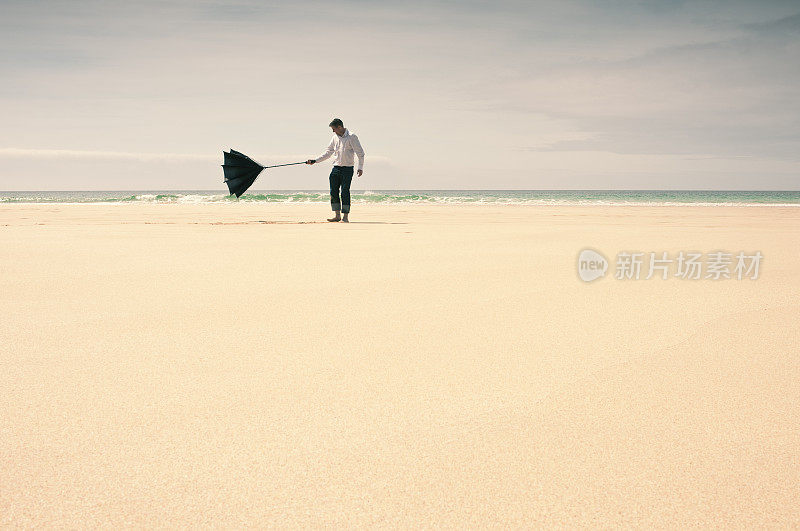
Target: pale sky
{"points": [[145, 95]]}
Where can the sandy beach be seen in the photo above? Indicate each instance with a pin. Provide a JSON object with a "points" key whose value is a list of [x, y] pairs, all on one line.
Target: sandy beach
{"points": [[235, 365]]}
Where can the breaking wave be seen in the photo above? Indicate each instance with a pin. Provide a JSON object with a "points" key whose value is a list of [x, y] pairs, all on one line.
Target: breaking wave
{"points": [[496, 197]]}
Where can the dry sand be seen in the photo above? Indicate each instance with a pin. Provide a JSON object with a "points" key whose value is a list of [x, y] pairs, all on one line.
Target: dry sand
{"points": [[426, 365]]}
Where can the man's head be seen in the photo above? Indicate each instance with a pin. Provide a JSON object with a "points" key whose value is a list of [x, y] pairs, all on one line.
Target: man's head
{"points": [[337, 126]]}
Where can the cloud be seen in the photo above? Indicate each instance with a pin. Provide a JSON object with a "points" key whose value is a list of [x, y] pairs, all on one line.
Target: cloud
{"points": [[445, 91], [790, 24], [100, 155], [737, 96], [74, 154]]}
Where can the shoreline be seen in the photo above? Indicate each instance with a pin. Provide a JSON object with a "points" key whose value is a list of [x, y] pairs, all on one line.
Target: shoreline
{"points": [[421, 203]]}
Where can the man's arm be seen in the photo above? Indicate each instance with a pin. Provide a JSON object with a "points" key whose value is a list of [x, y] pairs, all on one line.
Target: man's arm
{"points": [[328, 152], [359, 151]]}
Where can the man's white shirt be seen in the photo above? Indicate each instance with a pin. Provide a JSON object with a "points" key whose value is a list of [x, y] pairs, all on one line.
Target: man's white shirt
{"points": [[344, 148]]}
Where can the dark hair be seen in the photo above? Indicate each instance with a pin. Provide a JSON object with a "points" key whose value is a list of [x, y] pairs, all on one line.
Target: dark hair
{"points": [[336, 122]]}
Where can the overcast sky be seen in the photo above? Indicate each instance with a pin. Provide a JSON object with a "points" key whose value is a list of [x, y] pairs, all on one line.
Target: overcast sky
{"points": [[144, 95]]}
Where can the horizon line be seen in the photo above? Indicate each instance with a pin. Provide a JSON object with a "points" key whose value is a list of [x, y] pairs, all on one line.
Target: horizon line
{"points": [[420, 190]]}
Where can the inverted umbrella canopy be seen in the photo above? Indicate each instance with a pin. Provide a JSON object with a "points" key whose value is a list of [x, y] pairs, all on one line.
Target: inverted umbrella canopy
{"points": [[241, 171]]}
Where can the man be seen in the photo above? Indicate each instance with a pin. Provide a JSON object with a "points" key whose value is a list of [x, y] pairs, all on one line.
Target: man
{"points": [[343, 146]]}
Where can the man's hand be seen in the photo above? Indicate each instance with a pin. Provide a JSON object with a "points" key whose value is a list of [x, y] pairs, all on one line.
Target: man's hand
{"points": [[360, 172], [310, 161]]}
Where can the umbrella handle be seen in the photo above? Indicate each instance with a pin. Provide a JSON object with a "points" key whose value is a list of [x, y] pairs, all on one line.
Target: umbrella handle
{"points": [[290, 164]]}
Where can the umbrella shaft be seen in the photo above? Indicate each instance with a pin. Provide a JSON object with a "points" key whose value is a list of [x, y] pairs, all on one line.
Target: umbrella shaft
{"points": [[290, 164]]}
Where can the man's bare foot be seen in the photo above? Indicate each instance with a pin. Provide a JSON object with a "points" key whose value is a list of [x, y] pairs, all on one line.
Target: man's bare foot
{"points": [[337, 218], [344, 219]]}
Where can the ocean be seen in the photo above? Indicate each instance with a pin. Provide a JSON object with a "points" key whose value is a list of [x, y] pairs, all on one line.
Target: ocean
{"points": [[494, 197]]}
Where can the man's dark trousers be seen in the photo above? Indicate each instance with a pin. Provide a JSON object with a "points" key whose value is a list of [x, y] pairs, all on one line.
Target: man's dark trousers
{"points": [[341, 176]]}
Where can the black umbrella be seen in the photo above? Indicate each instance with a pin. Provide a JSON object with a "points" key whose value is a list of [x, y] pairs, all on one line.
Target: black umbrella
{"points": [[240, 171]]}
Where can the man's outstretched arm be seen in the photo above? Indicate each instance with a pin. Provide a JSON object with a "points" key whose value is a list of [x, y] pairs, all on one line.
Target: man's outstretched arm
{"points": [[328, 152]]}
